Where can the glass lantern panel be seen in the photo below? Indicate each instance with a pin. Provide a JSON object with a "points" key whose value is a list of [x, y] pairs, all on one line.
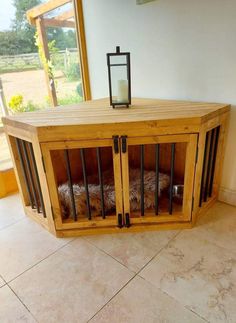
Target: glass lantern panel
{"points": [[118, 59], [119, 84]]}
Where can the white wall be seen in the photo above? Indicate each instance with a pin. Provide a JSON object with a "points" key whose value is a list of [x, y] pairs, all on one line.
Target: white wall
{"points": [[180, 49]]}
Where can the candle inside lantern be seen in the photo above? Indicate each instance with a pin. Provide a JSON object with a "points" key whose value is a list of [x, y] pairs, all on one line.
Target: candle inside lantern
{"points": [[122, 91]]}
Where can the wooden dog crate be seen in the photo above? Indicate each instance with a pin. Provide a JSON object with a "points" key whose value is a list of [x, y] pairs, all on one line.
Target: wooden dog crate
{"points": [[88, 169]]}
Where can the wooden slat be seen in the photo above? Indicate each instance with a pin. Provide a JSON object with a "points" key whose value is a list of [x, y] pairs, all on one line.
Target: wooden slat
{"points": [[43, 8]]}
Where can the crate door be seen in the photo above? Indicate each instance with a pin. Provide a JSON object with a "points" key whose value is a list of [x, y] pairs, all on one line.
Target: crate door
{"points": [[84, 180], [158, 176]]}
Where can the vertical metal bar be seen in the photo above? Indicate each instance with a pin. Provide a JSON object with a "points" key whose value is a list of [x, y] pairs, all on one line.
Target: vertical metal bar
{"points": [[214, 160], [157, 179], [172, 170], [98, 150], [68, 170], [37, 179], [204, 169], [85, 182], [29, 170], [142, 179], [24, 173], [209, 162]]}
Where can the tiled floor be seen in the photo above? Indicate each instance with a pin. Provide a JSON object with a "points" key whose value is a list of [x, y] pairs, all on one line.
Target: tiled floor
{"points": [[164, 276]]}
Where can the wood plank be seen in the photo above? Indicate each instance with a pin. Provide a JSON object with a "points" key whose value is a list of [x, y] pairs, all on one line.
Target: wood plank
{"points": [[43, 8]]}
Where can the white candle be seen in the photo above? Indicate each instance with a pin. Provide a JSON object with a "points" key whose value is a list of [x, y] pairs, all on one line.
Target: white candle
{"points": [[122, 91]]}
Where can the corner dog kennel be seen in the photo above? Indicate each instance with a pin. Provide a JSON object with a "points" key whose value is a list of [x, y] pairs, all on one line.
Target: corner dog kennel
{"points": [[88, 168]]}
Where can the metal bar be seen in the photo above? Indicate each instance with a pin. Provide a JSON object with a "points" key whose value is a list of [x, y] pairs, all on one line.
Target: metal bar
{"points": [[24, 173], [209, 162], [172, 170], [98, 150], [214, 160], [142, 179], [31, 179], [157, 179], [37, 179], [68, 170], [85, 183], [203, 169]]}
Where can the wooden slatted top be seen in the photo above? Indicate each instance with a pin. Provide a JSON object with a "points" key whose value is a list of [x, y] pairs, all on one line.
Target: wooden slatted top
{"points": [[99, 112]]}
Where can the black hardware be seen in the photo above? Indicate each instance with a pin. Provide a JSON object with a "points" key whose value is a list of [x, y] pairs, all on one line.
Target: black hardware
{"points": [[172, 169], [214, 160], [120, 221], [204, 169], [142, 179], [124, 144], [85, 182], [209, 162], [37, 179], [24, 173], [157, 179], [29, 171], [116, 144], [100, 181], [68, 170], [127, 220]]}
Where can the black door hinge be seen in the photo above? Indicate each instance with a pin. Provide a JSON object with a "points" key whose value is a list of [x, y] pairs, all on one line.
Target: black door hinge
{"points": [[127, 220], [44, 168], [116, 144], [120, 221], [124, 144]]}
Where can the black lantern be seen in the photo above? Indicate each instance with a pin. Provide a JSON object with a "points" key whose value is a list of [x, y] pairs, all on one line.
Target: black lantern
{"points": [[119, 78]]}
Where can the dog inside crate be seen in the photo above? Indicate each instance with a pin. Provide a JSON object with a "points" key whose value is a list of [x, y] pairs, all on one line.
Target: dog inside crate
{"points": [[92, 179]]}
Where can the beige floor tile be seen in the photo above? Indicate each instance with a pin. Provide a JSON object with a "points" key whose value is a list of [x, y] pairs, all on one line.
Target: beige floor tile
{"points": [[219, 225], [141, 302], [133, 250], [22, 245], [72, 284], [11, 309], [197, 273], [11, 210]]}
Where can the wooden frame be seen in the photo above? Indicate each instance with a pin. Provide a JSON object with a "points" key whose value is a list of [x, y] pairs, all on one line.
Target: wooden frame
{"points": [[35, 17], [185, 215], [94, 124]]}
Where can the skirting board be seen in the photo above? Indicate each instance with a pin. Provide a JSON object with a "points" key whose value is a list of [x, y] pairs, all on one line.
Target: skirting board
{"points": [[227, 196]]}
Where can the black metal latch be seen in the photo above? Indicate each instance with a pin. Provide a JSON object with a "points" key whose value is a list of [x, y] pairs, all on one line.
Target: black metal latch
{"points": [[120, 221], [116, 144], [127, 220], [124, 144]]}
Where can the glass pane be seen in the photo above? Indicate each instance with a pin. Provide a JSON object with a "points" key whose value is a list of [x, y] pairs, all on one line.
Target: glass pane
{"points": [[64, 54], [119, 83], [118, 59], [99, 178], [149, 178]]}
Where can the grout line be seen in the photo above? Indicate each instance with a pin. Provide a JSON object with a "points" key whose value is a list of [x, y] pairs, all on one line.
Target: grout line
{"points": [[9, 225], [107, 254], [136, 274], [41, 261], [112, 297], [22, 303]]}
